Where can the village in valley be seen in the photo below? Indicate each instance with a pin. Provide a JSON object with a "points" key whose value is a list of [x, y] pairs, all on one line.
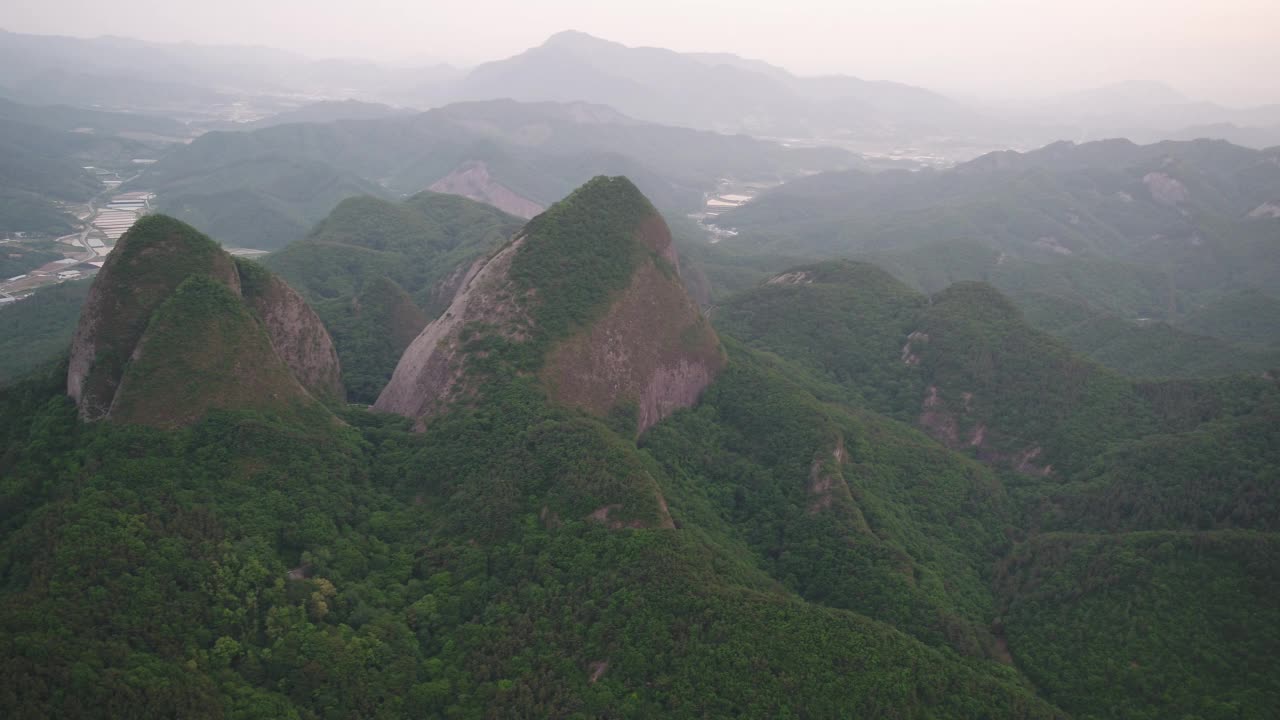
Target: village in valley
{"points": [[103, 220], [728, 195]]}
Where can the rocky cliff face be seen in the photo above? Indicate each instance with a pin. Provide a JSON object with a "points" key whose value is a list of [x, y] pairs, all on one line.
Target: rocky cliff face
{"points": [[429, 376], [589, 296], [652, 348], [296, 332], [135, 300], [472, 180]]}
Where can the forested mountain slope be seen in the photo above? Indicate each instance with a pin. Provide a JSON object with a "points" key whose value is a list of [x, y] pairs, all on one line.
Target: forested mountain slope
{"points": [[844, 518], [1186, 202], [38, 330], [1158, 498], [1111, 234], [519, 555]]}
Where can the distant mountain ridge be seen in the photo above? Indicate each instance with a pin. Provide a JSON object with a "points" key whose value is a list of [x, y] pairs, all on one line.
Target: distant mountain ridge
{"points": [[1196, 210], [116, 72], [268, 187], [720, 92], [716, 91]]}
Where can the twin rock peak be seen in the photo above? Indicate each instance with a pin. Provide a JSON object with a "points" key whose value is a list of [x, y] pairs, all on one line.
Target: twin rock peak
{"points": [[586, 301]]}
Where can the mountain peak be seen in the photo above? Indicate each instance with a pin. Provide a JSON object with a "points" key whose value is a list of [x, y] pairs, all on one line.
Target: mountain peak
{"points": [[146, 266], [174, 326], [586, 298], [576, 39]]}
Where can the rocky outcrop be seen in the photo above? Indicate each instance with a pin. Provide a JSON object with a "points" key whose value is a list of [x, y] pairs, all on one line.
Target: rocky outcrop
{"points": [[296, 332], [444, 291], [697, 284], [826, 481], [943, 424], [798, 277], [115, 339], [652, 347], [429, 375], [909, 355], [1165, 189], [1266, 210], [472, 180], [647, 348]]}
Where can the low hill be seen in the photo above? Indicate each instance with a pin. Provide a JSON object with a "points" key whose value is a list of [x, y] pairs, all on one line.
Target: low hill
{"points": [[43, 155], [1144, 348], [844, 321], [261, 201], [1248, 317], [963, 364], [1151, 496], [1109, 199], [322, 112], [67, 118]]}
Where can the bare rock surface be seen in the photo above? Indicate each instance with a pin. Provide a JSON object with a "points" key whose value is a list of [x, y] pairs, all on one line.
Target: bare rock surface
{"points": [[472, 180], [653, 348], [299, 337], [1165, 189], [430, 373], [147, 265]]}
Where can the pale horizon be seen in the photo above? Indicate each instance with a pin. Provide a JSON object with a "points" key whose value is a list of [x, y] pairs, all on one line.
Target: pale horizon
{"points": [[1222, 52]]}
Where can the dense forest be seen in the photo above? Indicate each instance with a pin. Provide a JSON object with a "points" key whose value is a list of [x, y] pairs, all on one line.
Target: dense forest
{"points": [[888, 503]]}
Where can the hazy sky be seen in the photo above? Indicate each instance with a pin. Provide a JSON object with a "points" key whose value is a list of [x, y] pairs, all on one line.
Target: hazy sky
{"points": [[1226, 50]]}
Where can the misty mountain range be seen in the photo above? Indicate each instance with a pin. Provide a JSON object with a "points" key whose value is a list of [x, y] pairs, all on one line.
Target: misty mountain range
{"points": [[712, 91], [268, 187]]}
